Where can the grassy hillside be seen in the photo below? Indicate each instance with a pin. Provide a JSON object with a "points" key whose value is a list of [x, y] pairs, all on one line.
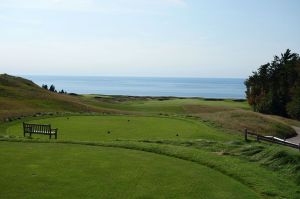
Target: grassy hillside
{"points": [[21, 97]]}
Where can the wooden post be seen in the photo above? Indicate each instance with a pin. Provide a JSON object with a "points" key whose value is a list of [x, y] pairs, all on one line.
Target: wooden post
{"points": [[246, 134], [24, 129]]}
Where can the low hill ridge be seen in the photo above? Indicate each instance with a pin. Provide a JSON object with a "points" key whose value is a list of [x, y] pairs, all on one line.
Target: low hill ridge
{"points": [[22, 97]]}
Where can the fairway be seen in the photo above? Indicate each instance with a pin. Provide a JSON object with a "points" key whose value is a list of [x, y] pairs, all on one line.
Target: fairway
{"points": [[166, 106], [76, 171], [103, 128]]}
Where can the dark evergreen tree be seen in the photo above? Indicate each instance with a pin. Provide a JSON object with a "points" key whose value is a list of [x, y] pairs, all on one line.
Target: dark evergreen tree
{"points": [[45, 86], [62, 91], [52, 88], [275, 87]]}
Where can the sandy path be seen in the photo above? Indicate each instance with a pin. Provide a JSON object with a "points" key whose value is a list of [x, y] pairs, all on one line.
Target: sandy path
{"points": [[295, 139]]}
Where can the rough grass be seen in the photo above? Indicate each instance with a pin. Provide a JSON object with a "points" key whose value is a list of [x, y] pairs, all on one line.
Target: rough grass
{"points": [[255, 122], [154, 105], [271, 156]]}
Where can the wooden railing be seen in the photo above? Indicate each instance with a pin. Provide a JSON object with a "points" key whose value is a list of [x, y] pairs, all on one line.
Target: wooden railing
{"points": [[272, 139]]}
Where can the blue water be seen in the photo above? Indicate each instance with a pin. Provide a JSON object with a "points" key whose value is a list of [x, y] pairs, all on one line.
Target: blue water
{"points": [[147, 86]]}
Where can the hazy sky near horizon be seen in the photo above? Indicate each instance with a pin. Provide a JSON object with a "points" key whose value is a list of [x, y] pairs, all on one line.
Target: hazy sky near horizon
{"points": [[197, 38]]}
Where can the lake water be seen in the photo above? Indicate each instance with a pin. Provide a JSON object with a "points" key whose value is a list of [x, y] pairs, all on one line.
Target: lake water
{"points": [[147, 86]]}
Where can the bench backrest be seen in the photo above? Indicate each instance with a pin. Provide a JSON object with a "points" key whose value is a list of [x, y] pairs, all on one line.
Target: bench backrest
{"points": [[37, 128]]}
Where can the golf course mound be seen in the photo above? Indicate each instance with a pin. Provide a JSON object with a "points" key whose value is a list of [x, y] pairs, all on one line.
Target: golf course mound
{"points": [[79, 171], [106, 128]]}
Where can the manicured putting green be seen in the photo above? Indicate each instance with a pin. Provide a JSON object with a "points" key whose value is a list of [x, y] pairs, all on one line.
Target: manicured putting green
{"points": [[32, 170], [102, 128]]}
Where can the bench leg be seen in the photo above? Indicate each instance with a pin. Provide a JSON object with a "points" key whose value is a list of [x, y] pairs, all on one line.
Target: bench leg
{"points": [[56, 136], [50, 136], [30, 134]]}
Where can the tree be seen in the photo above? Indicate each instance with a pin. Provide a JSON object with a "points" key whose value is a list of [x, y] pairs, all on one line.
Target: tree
{"points": [[62, 91], [293, 107], [273, 88], [45, 86], [52, 88]]}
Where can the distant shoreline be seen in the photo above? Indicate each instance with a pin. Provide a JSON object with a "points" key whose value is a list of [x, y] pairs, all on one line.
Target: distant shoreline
{"points": [[159, 97]]}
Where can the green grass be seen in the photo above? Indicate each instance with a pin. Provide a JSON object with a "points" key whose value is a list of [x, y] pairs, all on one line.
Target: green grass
{"points": [[227, 114], [261, 179], [142, 157], [34, 170], [20, 97], [278, 159], [101, 128], [156, 105]]}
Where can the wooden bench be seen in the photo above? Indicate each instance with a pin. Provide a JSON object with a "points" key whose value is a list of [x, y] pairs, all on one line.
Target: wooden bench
{"points": [[44, 129]]}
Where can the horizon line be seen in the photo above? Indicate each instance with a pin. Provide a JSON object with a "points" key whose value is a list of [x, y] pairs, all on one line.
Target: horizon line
{"points": [[132, 76]]}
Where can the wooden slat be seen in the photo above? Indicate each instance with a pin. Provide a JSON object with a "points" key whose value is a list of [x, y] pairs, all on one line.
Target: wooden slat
{"points": [[39, 129]]}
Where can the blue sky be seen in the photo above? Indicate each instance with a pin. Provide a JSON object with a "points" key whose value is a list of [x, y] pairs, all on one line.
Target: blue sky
{"points": [[190, 38]]}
